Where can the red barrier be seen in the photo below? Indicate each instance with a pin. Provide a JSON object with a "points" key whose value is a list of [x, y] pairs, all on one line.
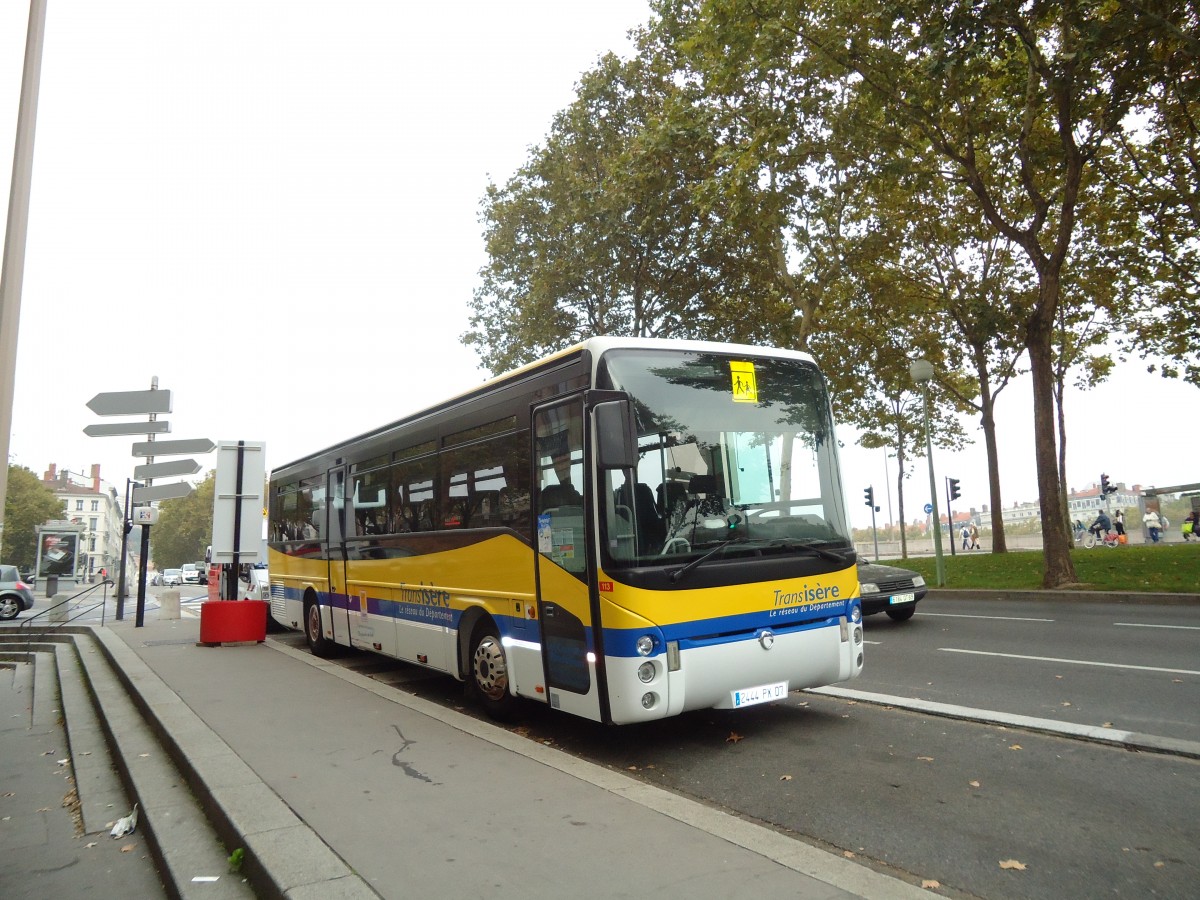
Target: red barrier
{"points": [[233, 621]]}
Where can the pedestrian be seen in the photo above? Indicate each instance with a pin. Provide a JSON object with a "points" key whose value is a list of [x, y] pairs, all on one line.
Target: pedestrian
{"points": [[1153, 525], [1189, 526], [1119, 522], [966, 537], [974, 537]]}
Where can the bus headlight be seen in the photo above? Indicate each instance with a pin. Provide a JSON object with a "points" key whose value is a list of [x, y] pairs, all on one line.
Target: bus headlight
{"points": [[645, 645], [649, 700], [856, 613], [646, 672]]}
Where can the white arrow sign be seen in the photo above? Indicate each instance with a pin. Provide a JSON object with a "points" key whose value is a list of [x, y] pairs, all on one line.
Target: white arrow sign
{"points": [[168, 469], [111, 429], [161, 492], [130, 403], [172, 448]]}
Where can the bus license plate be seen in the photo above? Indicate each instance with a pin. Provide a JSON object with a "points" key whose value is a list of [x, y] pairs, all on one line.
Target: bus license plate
{"points": [[902, 598], [764, 693]]}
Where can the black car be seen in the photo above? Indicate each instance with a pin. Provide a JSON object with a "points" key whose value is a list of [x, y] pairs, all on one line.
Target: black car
{"points": [[889, 589]]}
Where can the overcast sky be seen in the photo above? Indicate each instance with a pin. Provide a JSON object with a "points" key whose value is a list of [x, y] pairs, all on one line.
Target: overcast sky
{"points": [[274, 208]]}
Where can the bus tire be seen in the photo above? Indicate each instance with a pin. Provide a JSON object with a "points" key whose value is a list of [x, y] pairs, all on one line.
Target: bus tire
{"points": [[488, 678], [901, 613], [318, 644]]}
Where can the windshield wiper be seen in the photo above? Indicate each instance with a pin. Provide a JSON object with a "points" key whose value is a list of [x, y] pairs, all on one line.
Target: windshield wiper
{"points": [[678, 574], [811, 546]]}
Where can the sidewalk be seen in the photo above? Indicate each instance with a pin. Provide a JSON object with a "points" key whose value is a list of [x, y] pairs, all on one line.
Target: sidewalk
{"points": [[418, 800]]}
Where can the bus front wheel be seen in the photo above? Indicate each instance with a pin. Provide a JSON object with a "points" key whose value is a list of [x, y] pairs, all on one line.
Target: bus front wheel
{"points": [[318, 644], [489, 673]]}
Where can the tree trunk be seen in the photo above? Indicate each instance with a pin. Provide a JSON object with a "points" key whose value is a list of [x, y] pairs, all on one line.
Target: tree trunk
{"points": [[987, 406], [1059, 568]]}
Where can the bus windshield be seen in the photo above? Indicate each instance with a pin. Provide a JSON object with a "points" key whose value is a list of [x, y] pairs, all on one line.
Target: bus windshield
{"points": [[733, 450]]}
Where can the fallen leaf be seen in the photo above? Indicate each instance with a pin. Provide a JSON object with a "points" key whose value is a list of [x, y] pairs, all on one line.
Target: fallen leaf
{"points": [[44, 809], [785, 777], [631, 768], [143, 755], [931, 884], [925, 758], [1176, 681], [849, 854], [1066, 703], [733, 738], [9, 794], [973, 783], [1016, 747], [63, 762], [1107, 725], [89, 845], [129, 847], [1012, 864], [1160, 864]]}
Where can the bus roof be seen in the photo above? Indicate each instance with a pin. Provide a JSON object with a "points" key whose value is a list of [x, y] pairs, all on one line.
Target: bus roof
{"points": [[595, 347]]}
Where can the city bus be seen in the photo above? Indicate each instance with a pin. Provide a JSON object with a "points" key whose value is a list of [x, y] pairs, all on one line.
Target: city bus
{"points": [[625, 530]]}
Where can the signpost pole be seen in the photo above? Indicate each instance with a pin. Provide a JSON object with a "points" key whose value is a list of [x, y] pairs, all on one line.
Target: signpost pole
{"points": [[140, 618]]}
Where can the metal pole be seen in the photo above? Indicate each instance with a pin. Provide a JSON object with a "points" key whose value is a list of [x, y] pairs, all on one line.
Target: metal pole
{"points": [[232, 578], [141, 598], [12, 267], [126, 526], [874, 530], [937, 522], [949, 516]]}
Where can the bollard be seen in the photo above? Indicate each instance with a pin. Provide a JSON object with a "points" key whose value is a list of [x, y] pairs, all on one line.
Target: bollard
{"points": [[51, 585], [58, 613], [168, 605]]}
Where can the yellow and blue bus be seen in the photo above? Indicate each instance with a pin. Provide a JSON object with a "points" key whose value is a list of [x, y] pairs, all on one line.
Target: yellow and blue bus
{"points": [[625, 530]]}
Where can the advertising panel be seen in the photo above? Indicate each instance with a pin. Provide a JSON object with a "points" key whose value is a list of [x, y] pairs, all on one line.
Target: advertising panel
{"points": [[58, 553]]}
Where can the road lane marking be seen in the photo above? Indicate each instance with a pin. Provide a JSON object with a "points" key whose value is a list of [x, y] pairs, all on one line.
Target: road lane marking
{"points": [[1144, 625], [926, 615], [1074, 662], [1098, 733]]}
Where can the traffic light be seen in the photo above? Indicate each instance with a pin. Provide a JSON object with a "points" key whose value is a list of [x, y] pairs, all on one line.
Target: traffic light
{"points": [[869, 494], [1106, 487], [954, 494]]}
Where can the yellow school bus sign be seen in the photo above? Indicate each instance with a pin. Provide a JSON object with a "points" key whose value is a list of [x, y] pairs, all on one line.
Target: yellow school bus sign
{"points": [[745, 388]]}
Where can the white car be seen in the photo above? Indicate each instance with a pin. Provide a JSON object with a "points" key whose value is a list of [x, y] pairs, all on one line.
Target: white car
{"points": [[173, 577]]}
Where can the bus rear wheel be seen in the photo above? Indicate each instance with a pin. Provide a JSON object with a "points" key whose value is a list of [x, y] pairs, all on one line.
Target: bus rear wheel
{"points": [[488, 678], [318, 644]]}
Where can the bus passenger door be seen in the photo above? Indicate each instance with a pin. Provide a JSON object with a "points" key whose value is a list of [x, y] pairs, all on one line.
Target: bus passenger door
{"points": [[343, 608], [571, 658]]}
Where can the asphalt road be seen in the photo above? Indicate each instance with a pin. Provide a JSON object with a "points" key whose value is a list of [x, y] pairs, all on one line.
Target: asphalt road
{"points": [[984, 811]]}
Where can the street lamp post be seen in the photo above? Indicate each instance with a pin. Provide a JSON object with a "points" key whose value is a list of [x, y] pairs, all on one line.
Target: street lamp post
{"points": [[921, 371]]}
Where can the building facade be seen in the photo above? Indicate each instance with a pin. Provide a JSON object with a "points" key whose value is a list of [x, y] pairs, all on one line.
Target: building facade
{"points": [[98, 509]]}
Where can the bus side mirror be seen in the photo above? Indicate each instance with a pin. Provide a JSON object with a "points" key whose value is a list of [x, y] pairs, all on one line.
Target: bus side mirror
{"points": [[616, 444]]}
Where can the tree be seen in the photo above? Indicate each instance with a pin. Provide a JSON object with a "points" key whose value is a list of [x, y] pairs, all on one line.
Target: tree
{"points": [[28, 505], [1010, 102], [184, 527], [600, 233]]}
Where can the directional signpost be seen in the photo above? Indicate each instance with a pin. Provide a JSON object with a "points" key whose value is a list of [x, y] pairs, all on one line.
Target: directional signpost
{"points": [[115, 429], [169, 491], [168, 469], [173, 448], [130, 403], [146, 403]]}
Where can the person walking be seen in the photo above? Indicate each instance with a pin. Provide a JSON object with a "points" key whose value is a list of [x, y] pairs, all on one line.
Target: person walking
{"points": [[1153, 525], [966, 537], [1189, 528], [974, 537]]}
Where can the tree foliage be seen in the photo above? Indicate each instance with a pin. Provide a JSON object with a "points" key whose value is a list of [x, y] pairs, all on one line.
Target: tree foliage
{"points": [[184, 528], [29, 504]]}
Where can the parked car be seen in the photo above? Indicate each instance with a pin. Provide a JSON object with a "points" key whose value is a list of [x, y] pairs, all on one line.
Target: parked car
{"points": [[193, 573], [173, 577], [889, 589], [15, 595]]}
